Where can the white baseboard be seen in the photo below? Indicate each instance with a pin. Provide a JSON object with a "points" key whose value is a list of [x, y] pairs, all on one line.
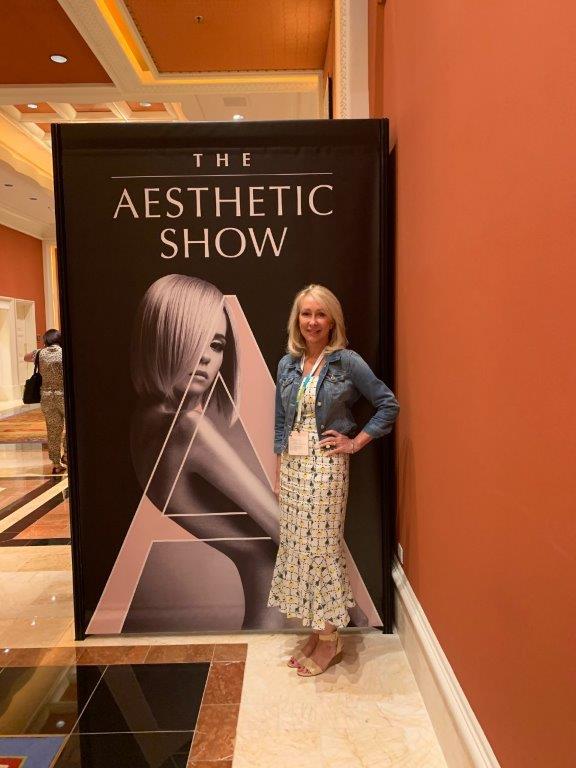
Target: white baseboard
{"points": [[459, 732]]}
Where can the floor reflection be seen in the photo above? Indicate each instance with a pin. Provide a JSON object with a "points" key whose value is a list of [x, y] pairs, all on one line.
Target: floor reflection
{"points": [[126, 750], [123, 698], [44, 700]]}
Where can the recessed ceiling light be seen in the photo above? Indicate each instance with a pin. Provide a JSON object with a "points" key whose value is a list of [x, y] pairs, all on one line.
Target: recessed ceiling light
{"points": [[57, 58], [32, 106], [145, 103], [237, 117]]}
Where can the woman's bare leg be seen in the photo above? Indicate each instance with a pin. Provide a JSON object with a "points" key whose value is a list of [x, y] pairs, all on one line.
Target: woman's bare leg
{"points": [[324, 651]]}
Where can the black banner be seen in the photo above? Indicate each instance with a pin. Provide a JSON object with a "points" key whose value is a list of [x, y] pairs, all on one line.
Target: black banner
{"points": [[189, 241]]}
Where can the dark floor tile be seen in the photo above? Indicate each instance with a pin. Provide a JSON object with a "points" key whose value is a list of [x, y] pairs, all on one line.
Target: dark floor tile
{"points": [[45, 699], [177, 654], [224, 684], [24, 523], [117, 654], [146, 697], [26, 497], [209, 763], [126, 750], [230, 652], [215, 733]]}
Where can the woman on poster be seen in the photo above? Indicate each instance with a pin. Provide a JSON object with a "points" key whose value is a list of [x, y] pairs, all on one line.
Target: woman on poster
{"points": [[315, 434], [188, 449]]}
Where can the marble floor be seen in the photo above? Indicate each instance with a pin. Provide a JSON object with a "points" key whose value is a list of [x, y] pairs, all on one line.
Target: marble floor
{"points": [[9, 407], [254, 712], [123, 707], [23, 425]]}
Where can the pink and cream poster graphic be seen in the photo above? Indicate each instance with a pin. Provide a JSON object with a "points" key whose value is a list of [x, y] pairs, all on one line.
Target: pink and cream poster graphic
{"points": [[201, 547]]}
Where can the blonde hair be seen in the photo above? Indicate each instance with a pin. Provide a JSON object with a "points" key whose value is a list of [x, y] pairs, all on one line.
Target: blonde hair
{"points": [[173, 326], [336, 340]]}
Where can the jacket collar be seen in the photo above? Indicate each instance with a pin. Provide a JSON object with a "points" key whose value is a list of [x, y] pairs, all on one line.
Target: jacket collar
{"points": [[296, 362]]}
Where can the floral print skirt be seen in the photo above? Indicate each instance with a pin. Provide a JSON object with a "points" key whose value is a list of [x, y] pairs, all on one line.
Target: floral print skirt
{"points": [[310, 581]]}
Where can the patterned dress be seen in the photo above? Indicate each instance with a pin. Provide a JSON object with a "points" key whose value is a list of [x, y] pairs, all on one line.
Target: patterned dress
{"points": [[310, 581], [52, 399]]}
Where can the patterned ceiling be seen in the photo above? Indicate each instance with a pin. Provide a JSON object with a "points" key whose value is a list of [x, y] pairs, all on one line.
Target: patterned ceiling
{"points": [[147, 60], [233, 35]]}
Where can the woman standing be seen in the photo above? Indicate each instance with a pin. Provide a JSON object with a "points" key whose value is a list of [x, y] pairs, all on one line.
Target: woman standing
{"points": [[318, 382], [52, 395]]}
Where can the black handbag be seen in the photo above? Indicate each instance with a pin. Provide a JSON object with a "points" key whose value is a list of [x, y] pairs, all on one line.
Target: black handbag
{"points": [[33, 384]]}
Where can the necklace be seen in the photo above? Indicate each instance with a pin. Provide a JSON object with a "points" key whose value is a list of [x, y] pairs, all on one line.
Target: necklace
{"points": [[305, 382]]}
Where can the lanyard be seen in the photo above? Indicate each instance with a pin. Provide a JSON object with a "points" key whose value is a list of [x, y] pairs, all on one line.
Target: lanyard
{"points": [[304, 384]]}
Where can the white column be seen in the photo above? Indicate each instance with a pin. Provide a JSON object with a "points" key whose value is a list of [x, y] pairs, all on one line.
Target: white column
{"points": [[51, 295], [351, 98]]}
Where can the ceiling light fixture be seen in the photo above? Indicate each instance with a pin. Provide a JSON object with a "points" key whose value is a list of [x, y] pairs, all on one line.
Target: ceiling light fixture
{"points": [[145, 103], [57, 58], [32, 106], [237, 117]]}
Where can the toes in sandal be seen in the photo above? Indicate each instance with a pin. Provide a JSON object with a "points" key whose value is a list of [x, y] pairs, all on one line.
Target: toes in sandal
{"points": [[310, 668], [297, 659]]}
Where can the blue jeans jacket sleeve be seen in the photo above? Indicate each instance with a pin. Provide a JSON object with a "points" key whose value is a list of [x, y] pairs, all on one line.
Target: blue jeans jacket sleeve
{"points": [[280, 416], [377, 393]]}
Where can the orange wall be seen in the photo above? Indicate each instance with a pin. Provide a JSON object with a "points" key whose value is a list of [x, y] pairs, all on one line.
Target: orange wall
{"points": [[21, 272], [482, 107]]}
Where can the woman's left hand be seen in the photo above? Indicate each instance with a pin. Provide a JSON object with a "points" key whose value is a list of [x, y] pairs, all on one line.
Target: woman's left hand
{"points": [[336, 443]]}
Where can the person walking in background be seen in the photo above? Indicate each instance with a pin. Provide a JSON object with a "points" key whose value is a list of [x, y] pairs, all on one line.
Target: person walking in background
{"points": [[52, 395], [318, 382]]}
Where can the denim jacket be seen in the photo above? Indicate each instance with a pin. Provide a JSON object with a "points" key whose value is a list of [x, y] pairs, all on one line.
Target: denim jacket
{"points": [[343, 378]]}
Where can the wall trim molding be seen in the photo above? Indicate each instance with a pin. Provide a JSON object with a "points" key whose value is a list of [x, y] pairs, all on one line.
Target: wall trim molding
{"points": [[11, 218], [460, 734], [131, 82], [351, 98], [342, 59]]}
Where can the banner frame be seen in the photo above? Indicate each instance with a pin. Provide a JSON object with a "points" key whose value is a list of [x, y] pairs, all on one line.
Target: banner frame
{"points": [[386, 362], [73, 480]]}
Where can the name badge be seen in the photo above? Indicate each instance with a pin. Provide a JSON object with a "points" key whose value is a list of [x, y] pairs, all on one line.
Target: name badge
{"points": [[298, 443]]}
